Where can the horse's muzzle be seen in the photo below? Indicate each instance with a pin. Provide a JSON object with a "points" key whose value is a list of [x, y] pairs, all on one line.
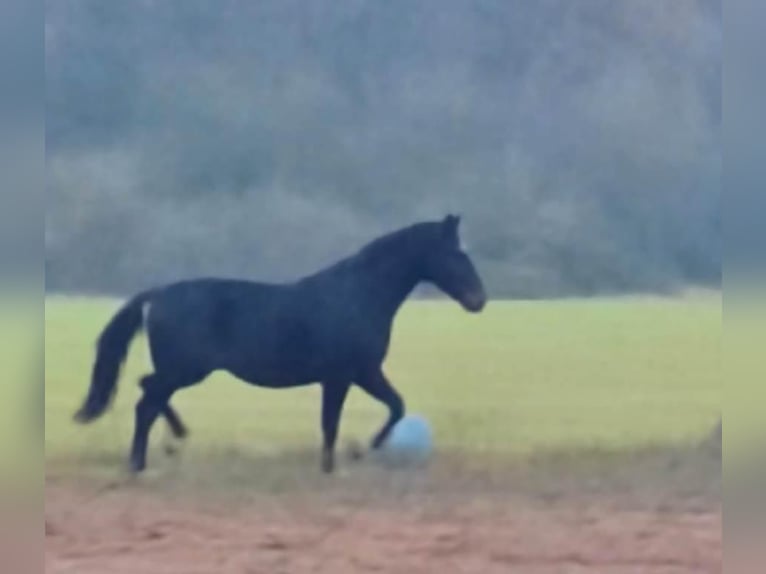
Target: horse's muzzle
{"points": [[475, 302]]}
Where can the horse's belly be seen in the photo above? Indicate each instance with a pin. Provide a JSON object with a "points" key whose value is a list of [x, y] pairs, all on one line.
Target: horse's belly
{"points": [[279, 384], [293, 375]]}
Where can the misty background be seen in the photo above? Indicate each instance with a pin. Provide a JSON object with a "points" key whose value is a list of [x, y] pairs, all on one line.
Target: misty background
{"points": [[22, 144], [580, 140]]}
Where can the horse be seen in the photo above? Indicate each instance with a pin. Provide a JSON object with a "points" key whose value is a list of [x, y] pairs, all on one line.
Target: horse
{"points": [[330, 328]]}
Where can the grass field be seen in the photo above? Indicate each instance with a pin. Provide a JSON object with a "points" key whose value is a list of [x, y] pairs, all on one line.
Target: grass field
{"points": [[561, 429], [520, 378]]}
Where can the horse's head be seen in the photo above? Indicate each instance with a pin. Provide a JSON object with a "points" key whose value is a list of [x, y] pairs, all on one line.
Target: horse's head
{"points": [[448, 267]]}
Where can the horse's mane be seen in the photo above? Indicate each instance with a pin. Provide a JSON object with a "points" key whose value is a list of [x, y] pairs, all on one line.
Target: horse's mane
{"points": [[400, 238], [398, 241]]}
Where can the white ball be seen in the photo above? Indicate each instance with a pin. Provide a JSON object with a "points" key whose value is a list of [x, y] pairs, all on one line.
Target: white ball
{"points": [[410, 441]]}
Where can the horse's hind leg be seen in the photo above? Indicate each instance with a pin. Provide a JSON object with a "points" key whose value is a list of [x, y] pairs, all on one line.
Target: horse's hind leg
{"points": [[177, 429], [378, 387], [175, 424], [158, 388], [147, 410]]}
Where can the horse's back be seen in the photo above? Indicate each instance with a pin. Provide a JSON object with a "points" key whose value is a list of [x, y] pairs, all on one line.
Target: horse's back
{"points": [[265, 333], [202, 319]]}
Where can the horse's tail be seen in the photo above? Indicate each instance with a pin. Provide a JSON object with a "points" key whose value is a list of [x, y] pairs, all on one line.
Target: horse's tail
{"points": [[112, 348]]}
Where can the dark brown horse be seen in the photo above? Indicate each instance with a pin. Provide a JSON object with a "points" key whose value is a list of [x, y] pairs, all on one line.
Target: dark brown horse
{"points": [[331, 328]]}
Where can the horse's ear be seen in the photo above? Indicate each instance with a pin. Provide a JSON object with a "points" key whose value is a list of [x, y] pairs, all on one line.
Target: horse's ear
{"points": [[451, 224]]}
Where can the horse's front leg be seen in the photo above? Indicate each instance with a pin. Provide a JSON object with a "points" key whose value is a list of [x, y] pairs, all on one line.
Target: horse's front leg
{"points": [[333, 397], [378, 387]]}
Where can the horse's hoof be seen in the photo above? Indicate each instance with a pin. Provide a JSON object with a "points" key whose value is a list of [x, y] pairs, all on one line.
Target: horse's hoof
{"points": [[355, 451], [135, 467], [328, 464]]}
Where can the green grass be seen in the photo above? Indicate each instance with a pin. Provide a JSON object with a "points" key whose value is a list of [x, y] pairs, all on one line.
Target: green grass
{"points": [[20, 352], [522, 377]]}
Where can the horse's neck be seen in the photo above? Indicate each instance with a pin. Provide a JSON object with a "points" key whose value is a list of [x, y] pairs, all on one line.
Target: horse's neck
{"points": [[390, 282]]}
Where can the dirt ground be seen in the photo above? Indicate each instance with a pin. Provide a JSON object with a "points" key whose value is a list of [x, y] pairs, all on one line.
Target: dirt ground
{"points": [[504, 525]]}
